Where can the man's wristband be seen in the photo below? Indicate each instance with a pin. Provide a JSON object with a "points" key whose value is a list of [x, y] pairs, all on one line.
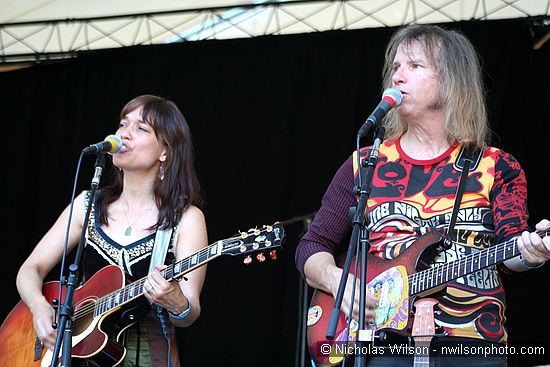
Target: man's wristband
{"points": [[183, 314], [529, 266]]}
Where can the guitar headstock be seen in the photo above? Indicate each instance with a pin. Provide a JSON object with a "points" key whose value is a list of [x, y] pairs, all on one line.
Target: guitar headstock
{"points": [[266, 238], [424, 324]]}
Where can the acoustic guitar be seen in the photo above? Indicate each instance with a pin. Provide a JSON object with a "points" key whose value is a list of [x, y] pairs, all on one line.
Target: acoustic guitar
{"points": [[423, 330], [106, 306]]}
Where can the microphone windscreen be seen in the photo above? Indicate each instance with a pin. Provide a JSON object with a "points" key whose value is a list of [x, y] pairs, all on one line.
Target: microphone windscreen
{"points": [[116, 143], [395, 95]]}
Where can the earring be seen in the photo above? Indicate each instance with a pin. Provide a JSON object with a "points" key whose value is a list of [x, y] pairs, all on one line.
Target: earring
{"points": [[161, 171]]}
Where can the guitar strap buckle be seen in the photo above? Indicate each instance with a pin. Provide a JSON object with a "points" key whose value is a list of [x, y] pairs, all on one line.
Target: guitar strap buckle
{"points": [[446, 243]]}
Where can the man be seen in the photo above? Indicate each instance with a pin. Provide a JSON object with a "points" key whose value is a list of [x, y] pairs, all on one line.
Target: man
{"points": [[414, 187]]}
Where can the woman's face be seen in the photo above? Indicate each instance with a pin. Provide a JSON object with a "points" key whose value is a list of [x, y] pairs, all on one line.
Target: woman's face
{"points": [[416, 77], [141, 149]]}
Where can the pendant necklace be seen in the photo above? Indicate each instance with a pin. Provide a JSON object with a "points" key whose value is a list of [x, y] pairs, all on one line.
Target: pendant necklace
{"points": [[128, 230]]}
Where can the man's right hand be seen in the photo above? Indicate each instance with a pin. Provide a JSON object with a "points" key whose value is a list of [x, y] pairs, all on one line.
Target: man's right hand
{"points": [[346, 302], [322, 273]]}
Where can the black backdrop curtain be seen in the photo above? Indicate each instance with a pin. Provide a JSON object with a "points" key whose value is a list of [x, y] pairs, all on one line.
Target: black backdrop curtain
{"points": [[272, 119]]}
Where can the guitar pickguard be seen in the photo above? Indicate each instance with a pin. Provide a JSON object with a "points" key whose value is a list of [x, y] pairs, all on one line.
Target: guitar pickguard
{"points": [[389, 281], [392, 290], [392, 311]]}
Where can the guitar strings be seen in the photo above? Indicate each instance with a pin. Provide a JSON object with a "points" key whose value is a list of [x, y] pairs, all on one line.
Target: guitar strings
{"points": [[436, 271], [483, 256], [90, 307], [124, 292]]}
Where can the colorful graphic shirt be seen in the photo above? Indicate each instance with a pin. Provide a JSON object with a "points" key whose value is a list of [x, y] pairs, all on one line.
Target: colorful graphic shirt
{"points": [[409, 198]]}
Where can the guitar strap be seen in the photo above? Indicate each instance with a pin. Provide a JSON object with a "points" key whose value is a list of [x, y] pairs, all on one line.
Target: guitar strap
{"points": [[160, 248], [469, 153], [163, 238]]}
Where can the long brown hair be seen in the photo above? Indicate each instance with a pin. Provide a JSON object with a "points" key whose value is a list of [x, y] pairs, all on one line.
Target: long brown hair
{"points": [[460, 82], [180, 186]]}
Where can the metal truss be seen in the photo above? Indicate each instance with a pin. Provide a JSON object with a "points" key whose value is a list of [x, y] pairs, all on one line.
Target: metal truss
{"points": [[38, 41]]}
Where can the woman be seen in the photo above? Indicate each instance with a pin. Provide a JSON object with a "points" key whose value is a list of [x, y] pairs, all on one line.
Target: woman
{"points": [[413, 191], [155, 188]]}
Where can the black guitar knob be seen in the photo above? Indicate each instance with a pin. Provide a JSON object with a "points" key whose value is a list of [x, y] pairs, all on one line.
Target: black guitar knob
{"points": [[55, 304]]}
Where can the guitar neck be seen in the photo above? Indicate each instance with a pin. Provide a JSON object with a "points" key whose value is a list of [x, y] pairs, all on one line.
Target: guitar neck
{"points": [[265, 238], [173, 272], [421, 354], [433, 277]]}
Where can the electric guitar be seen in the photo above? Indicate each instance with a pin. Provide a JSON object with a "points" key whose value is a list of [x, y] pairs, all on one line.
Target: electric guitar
{"points": [[106, 306], [396, 283]]}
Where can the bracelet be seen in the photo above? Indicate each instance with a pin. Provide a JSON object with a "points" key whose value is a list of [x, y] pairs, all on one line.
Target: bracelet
{"points": [[183, 314], [529, 266]]}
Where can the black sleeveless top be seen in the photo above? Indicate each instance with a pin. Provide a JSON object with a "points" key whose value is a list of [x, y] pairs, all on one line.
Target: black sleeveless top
{"points": [[147, 343], [101, 250]]}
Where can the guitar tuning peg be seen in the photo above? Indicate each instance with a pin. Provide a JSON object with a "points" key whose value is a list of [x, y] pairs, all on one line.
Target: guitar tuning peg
{"points": [[247, 260], [273, 254], [260, 257]]}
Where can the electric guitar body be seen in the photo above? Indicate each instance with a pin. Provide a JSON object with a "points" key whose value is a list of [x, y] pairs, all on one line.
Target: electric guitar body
{"points": [[387, 280], [397, 283]]}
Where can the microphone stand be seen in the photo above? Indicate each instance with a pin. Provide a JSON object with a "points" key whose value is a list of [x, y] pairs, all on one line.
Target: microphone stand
{"points": [[66, 310], [359, 237], [303, 295]]}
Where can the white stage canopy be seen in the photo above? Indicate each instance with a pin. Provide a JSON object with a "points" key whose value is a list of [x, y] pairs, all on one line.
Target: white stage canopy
{"points": [[55, 29]]}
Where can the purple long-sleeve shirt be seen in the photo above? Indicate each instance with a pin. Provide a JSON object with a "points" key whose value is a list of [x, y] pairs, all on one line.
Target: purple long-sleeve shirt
{"points": [[331, 225]]}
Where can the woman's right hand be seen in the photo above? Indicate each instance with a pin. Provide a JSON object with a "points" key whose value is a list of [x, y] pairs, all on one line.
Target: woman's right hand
{"points": [[43, 317]]}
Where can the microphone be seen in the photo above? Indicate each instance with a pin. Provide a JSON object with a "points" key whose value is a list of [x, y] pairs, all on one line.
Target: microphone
{"points": [[112, 144], [390, 98]]}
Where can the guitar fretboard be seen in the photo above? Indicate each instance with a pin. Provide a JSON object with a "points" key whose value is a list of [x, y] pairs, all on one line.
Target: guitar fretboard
{"points": [[173, 272], [444, 273]]}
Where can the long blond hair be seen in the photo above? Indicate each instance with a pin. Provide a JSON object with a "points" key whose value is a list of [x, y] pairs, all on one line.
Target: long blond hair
{"points": [[461, 87]]}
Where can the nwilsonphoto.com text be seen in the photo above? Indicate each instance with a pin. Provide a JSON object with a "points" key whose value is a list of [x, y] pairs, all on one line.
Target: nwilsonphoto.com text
{"points": [[458, 349]]}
